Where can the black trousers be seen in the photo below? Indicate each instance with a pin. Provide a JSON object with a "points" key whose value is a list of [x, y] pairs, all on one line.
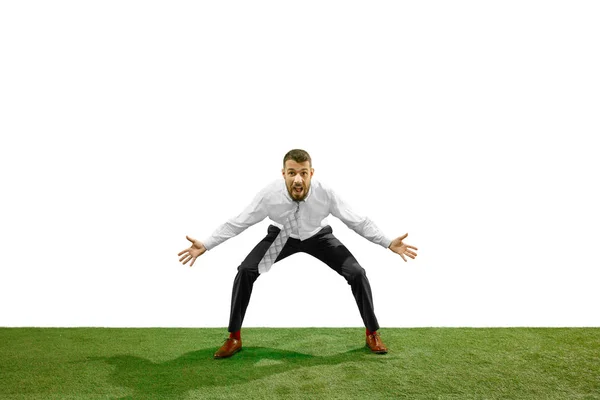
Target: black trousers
{"points": [[323, 246]]}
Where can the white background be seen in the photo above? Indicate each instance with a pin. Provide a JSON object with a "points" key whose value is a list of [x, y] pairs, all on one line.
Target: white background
{"points": [[470, 125]]}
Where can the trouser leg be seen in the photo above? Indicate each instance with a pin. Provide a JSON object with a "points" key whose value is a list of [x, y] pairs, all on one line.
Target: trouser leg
{"points": [[332, 252], [247, 275]]}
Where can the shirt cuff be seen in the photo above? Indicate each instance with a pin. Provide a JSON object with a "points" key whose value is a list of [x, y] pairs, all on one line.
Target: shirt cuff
{"points": [[209, 243], [386, 243]]}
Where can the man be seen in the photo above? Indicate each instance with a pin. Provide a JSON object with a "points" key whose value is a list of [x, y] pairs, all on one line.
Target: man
{"points": [[298, 207]]}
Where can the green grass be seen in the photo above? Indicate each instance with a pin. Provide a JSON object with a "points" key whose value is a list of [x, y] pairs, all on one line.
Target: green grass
{"points": [[432, 363]]}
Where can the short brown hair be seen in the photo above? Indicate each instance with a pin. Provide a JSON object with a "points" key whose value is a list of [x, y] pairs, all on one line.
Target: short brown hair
{"points": [[297, 155]]}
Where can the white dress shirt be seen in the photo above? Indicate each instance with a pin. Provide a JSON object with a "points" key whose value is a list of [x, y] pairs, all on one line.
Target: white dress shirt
{"points": [[274, 201]]}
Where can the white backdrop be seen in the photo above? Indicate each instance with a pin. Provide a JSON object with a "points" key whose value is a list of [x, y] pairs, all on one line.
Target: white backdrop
{"points": [[470, 125]]}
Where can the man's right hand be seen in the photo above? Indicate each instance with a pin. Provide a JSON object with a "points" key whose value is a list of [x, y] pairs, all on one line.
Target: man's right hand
{"points": [[197, 249]]}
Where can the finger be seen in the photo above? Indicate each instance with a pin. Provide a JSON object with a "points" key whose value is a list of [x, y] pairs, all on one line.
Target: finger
{"points": [[190, 239], [404, 258], [183, 252], [412, 247], [187, 258], [193, 261], [411, 253], [403, 236], [184, 257]]}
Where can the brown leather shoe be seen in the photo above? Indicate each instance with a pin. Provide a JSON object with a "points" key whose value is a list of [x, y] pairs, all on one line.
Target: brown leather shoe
{"points": [[375, 344], [229, 348]]}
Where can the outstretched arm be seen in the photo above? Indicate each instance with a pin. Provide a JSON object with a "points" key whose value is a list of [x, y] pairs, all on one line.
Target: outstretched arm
{"points": [[399, 247], [196, 250], [357, 222], [254, 213]]}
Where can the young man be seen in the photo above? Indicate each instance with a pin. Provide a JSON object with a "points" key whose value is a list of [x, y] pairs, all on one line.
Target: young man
{"points": [[298, 206]]}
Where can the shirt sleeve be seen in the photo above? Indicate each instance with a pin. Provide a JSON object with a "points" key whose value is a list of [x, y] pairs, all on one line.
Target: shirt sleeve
{"points": [[358, 223], [252, 214]]}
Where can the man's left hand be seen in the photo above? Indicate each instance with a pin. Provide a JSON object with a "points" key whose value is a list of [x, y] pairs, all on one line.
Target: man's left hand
{"points": [[398, 247]]}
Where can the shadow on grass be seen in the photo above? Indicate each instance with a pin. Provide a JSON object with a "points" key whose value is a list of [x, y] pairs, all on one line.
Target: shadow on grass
{"points": [[173, 379]]}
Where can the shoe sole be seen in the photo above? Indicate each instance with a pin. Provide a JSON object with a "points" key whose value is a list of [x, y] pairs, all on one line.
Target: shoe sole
{"points": [[216, 357], [379, 352], [376, 351]]}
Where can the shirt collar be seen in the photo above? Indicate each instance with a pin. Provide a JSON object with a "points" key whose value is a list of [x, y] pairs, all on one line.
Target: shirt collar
{"points": [[310, 189]]}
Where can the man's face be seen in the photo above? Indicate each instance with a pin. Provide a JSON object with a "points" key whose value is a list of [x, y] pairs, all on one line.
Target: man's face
{"points": [[297, 178]]}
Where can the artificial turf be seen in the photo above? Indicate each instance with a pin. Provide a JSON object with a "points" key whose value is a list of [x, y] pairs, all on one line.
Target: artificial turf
{"points": [[323, 363]]}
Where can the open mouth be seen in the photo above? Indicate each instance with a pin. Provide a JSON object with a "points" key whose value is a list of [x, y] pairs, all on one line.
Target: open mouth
{"points": [[297, 189]]}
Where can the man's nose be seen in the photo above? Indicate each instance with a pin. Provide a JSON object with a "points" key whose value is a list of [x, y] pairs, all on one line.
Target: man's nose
{"points": [[297, 179]]}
